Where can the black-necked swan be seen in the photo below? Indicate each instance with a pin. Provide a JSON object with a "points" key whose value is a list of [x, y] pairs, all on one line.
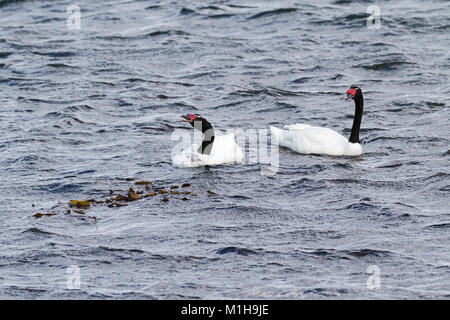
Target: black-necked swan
{"points": [[307, 139], [214, 150]]}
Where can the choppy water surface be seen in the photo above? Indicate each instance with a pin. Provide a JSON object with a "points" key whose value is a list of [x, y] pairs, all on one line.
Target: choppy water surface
{"points": [[82, 110]]}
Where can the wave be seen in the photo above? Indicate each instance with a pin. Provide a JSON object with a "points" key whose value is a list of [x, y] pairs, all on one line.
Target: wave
{"points": [[186, 11], [4, 3], [270, 91], [270, 13], [349, 254], [60, 65], [56, 54], [302, 80], [220, 16], [387, 65], [5, 54], [236, 250], [35, 233]]}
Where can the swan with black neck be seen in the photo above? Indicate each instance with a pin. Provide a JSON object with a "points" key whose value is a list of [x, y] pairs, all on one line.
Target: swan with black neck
{"points": [[215, 148], [307, 139]]}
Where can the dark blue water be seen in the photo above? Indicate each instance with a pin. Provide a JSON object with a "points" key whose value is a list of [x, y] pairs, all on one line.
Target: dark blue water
{"points": [[83, 110]]}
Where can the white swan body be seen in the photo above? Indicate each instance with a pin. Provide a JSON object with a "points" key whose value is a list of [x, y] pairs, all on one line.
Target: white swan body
{"points": [[304, 138], [225, 150], [307, 139]]}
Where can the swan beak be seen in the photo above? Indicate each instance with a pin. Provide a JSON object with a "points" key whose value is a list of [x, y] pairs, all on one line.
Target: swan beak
{"points": [[348, 96], [185, 119]]}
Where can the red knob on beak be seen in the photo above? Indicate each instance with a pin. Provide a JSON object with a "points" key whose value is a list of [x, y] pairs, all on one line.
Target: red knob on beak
{"points": [[350, 94], [189, 117]]}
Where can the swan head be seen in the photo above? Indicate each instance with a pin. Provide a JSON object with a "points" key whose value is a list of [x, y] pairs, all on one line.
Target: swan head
{"points": [[353, 92], [197, 121], [190, 117], [201, 124]]}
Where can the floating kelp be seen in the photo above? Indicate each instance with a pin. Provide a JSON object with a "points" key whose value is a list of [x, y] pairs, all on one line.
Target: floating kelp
{"points": [[132, 195], [39, 215], [117, 199], [151, 194], [143, 182], [117, 204], [80, 204]]}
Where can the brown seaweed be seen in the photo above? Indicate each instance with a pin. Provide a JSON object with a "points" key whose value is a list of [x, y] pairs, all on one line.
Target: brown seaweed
{"points": [[39, 214], [143, 182], [120, 197], [116, 204], [80, 203], [151, 194], [144, 190]]}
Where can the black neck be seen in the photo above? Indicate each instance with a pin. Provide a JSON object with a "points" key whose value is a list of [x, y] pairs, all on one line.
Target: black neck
{"points": [[359, 104], [208, 135]]}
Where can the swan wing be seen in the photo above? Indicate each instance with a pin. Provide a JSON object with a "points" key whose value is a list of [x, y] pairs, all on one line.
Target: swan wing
{"points": [[324, 141], [226, 150], [297, 127], [308, 139]]}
